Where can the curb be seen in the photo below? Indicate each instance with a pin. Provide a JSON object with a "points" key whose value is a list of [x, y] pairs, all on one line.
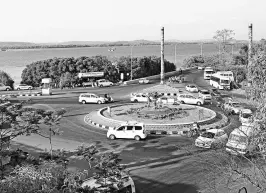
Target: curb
{"points": [[27, 94]]}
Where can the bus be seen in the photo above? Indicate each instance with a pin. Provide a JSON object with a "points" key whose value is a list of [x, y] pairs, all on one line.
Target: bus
{"points": [[228, 74], [220, 82], [208, 71]]}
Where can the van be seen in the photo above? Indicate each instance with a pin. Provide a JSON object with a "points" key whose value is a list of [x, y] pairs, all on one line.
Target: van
{"points": [[238, 142], [245, 116], [128, 130]]}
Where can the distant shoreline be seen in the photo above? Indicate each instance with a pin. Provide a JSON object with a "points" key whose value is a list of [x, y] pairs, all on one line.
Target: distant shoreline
{"points": [[6, 48]]}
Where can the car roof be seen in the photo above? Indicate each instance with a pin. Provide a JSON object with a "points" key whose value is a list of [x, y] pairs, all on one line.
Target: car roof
{"points": [[88, 93], [204, 90], [246, 111], [131, 123], [215, 130]]}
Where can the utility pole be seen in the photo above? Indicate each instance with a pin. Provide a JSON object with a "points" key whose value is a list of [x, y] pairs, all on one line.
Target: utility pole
{"points": [[175, 54], [250, 38], [162, 56], [131, 73], [232, 49]]}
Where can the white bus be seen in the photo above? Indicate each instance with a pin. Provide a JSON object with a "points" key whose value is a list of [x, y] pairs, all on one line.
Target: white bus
{"points": [[220, 82], [208, 71], [228, 74]]}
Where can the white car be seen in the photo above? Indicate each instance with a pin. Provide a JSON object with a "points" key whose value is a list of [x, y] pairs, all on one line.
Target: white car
{"points": [[23, 87], [192, 88], [245, 116], [189, 99], [104, 82], [233, 107], [144, 81], [205, 95], [167, 100], [91, 98], [213, 138], [138, 97], [3, 87], [128, 130]]}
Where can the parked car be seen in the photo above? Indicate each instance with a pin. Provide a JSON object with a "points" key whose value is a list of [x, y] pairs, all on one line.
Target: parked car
{"points": [[139, 97], [128, 130], [91, 98], [167, 100], [205, 95], [127, 187], [192, 88], [212, 138], [189, 99], [233, 107], [23, 87], [3, 87], [104, 82], [87, 84], [245, 116], [200, 68], [144, 81]]}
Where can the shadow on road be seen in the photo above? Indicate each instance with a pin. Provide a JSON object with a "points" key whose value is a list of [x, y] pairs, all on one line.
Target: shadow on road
{"points": [[144, 185]]}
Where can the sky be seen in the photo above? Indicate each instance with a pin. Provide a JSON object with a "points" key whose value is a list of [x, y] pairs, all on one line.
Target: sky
{"points": [[42, 21]]}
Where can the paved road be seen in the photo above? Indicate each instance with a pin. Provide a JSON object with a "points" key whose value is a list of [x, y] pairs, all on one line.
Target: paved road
{"points": [[160, 178]]}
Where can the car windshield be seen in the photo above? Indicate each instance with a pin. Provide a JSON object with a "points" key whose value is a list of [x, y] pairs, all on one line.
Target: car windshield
{"points": [[208, 72], [208, 135], [235, 104], [205, 92], [246, 115], [192, 86], [238, 138], [224, 81]]}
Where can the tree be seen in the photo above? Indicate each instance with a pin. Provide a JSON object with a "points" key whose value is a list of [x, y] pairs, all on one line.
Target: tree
{"points": [[223, 37], [6, 79], [51, 119], [15, 121]]}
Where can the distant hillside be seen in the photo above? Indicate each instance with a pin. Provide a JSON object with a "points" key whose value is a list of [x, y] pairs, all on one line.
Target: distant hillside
{"points": [[73, 44], [11, 44]]}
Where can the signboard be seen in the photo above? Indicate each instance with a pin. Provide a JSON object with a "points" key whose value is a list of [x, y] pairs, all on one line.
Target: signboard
{"points": [[91, 74]]}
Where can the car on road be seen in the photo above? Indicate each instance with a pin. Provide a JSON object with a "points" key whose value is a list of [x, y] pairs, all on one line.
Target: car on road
{"points": [[192, 88], [189, 99], [128, 130], [233, 107], [104, 82], [91, 98], [167, 100], [245, 116], [107, 97], [4, 87], [144, 81], [200, 68], [239, 140], [213, 138], [23, 87], [205, 95], [139, 97]]}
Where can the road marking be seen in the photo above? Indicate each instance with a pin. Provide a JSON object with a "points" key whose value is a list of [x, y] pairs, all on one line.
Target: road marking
{"points": [[96, 132]]}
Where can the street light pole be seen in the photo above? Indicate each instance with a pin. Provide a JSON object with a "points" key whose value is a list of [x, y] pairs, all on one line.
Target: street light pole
{"points": [[201, 49], [131, 73], [175, 54]]}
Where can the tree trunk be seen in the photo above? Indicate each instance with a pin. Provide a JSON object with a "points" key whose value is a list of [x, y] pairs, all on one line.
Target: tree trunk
{"points": [[51, 146]]}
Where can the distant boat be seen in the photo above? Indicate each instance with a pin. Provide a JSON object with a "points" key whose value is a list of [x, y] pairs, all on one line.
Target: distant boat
{"points": [[111, 49]]}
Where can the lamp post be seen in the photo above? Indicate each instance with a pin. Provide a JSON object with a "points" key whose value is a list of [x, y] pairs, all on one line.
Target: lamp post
{"points": [[201, 50], [131, 73], [175, 54]]}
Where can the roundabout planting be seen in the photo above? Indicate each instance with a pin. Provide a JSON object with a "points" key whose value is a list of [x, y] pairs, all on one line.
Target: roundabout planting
{"points": [[166, 120]]}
